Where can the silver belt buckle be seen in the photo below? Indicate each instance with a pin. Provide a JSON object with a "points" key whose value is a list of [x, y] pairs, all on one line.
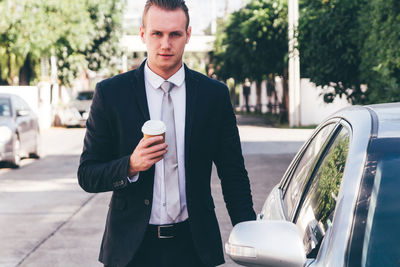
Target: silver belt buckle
{"points": [[159, 231]]}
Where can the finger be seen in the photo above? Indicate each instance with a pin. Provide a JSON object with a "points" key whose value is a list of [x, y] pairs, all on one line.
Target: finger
{"points": [[149, 141], [155, 160], [157, 154], [141, 141], [155, 148]]}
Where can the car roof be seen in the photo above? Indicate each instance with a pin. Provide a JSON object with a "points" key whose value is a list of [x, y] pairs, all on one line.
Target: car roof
{"points": [[388, 116], [381, 120], [5, 95]]}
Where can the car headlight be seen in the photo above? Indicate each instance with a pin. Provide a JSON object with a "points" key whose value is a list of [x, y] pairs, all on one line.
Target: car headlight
{"points": [[5, 134]]}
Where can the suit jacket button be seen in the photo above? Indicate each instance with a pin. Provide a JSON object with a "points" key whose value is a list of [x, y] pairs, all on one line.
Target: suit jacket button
{"points": [[147, 202]]}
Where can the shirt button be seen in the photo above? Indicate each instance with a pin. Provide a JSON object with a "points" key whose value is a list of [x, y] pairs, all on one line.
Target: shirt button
{"points": [[146, 202]]}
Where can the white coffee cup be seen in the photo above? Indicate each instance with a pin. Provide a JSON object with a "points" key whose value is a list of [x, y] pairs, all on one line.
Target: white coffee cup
{"points": [[153, 128]]}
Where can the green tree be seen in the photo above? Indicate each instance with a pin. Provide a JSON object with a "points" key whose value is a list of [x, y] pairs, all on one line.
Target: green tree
{"points": [[380, 53], [102, 49], [106, 16], [79, 33], [328, 36], [253, 44], [32, 29]]}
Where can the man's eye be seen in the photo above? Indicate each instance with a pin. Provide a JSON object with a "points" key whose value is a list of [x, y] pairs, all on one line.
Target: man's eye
{"points": [[175, 34], [157, 33]]}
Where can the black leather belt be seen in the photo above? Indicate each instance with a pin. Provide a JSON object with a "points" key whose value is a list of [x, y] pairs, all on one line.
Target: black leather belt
{"points": [[167, 230]]}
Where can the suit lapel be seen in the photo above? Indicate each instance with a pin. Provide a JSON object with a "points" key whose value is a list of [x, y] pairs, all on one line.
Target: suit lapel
{"points": [[140, 91], [192, 84]]}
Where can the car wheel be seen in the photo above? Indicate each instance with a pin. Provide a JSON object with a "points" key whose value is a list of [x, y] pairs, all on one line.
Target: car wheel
{"points": [[35, 154], [16, 153]]}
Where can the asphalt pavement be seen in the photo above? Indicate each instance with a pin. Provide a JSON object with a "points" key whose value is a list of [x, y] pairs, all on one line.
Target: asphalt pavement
{"points": [[46, 219]]}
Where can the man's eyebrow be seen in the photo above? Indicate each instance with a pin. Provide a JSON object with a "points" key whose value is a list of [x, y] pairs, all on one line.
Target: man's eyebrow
{"points": [[177, 32], [180, 32]]}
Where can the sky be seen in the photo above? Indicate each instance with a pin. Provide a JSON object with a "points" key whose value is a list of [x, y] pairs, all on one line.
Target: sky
{"points": [[200, 12]]}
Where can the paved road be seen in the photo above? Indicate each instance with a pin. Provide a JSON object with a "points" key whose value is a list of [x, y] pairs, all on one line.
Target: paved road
{"points": [[47, 220]]}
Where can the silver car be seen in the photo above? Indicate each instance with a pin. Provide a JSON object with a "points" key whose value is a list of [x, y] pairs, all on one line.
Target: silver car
{"points": [[338, 202], [77, 111], [19, 130]]}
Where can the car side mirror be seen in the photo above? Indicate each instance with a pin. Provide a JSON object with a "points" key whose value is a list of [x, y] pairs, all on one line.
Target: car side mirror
{"points": [[22, 113], [266, 243]]}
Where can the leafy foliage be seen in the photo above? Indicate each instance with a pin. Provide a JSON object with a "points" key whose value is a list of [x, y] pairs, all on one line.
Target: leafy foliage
{"points": [[254, 42], [328, 43], [106, 17], [329, 176], [72, 30], [380, 52], [347, 43]]}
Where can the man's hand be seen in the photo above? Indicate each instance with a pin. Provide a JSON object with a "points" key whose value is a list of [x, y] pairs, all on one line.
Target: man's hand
{"points": [[146, 154]]}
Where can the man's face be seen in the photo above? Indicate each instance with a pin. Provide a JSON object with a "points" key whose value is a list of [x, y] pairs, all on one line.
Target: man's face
{"points": [[165, 35]]}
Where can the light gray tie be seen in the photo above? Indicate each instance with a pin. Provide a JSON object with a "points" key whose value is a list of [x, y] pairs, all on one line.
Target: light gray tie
{"points": [[170, 158]]}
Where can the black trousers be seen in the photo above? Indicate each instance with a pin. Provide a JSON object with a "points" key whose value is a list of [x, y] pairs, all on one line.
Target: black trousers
{"points": [[178, 251]]}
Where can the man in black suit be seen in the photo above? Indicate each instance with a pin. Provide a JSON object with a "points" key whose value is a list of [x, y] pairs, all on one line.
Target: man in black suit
{"points": [[161, 211]]}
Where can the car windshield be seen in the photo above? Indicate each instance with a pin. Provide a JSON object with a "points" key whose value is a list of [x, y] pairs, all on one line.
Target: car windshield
{"points": [[5, 107], [381, 240], [85, 96]]}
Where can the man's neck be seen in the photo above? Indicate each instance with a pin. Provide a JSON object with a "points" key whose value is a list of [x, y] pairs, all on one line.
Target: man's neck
{"points": [[165, 74]]}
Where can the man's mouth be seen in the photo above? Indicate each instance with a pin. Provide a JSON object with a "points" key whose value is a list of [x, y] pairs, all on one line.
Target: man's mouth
{"points": [[165, 55]]}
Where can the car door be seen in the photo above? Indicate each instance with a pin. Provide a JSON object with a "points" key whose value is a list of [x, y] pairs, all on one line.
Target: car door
{"points": [[22, 122], [285, 197], [315, 211], [32, 127]]}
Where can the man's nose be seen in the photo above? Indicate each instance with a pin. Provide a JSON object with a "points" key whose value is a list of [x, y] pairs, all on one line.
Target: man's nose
{"points": [[165, 43]]}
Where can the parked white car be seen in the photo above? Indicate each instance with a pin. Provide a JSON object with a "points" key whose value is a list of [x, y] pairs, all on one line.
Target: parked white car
{"points": [[77, 111], [19, 130], [338, 202]]}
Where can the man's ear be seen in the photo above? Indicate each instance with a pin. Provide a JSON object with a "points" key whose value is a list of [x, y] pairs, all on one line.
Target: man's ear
{"points": [[188, 34], [142, 35]]}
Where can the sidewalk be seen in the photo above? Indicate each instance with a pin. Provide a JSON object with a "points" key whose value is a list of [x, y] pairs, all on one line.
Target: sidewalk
{"points": [[253, 120], [258, 136]]}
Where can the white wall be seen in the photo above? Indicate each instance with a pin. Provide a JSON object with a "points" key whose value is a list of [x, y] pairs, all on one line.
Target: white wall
{"points": [[38, 99], [313, 109]]}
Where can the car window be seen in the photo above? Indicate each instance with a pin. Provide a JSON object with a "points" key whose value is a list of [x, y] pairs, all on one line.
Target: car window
{"points": [[17, 103], [382, 230], [85, 96], [304, 168], [317, 210], [5, 108], [25, 105], [376, 228], [20, 104]]}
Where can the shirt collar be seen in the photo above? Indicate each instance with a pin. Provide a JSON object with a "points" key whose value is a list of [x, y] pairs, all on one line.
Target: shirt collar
{"points": [[155, 80]]}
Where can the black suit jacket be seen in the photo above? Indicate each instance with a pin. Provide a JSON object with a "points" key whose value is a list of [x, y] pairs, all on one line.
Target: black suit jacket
{"points": [[117, 114]]}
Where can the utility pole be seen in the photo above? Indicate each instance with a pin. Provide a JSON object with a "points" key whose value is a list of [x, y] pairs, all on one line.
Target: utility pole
{"points": [[294, 65], [214, 17], [227, 8]]}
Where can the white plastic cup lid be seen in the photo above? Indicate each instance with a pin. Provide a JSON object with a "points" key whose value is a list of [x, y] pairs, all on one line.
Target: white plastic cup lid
{"points": [[153, 127]]}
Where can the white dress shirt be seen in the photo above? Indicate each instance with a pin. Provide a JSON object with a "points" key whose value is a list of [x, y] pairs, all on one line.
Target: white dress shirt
{"points": [[155, 95]]}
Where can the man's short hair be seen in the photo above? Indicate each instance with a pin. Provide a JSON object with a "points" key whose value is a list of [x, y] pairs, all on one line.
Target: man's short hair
{"points": [[168, 5]]}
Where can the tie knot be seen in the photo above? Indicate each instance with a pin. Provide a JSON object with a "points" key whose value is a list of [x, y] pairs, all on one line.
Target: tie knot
{"points": [[167, 86]]}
